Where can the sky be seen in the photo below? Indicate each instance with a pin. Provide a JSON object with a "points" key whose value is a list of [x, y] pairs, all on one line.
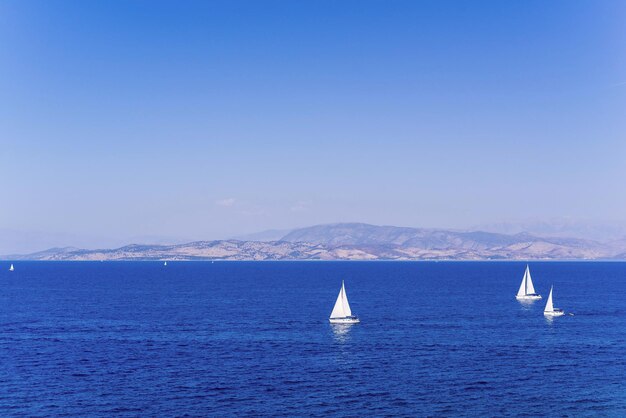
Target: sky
{"points": [[123, 121]]}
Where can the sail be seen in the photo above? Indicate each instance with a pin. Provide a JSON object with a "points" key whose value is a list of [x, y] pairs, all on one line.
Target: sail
{"points": [[338, 311], [346, 305], [549, 307], [342, 307], [11, 268], [522, 287], [530, 289]]}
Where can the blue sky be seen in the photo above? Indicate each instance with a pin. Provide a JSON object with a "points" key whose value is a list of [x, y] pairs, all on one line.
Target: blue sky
{"points": [[201, 120]]}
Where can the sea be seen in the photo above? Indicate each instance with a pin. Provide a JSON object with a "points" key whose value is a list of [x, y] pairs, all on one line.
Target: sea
{"points": [[241, 339]]}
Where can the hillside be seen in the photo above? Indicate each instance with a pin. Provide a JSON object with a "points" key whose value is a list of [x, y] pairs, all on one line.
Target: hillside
{"points": [[357, 241]]}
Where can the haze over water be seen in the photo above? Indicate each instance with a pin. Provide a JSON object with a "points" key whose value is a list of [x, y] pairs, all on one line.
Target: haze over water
{"points": [[245, 338]]}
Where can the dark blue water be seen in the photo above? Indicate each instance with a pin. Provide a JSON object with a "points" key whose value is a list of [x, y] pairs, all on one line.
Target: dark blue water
{"points": [[247, 339]]}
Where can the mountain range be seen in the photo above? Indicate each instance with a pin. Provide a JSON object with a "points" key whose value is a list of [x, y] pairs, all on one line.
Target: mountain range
{"points": [[358, 241]]}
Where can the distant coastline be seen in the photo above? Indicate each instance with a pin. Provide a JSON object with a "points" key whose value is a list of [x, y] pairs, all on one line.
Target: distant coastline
{"points": [[357, 242]]}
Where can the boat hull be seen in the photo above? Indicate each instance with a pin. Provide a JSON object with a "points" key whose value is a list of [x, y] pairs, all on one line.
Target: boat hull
{"points": [[554, 313], [348, 320], [528, 297]]}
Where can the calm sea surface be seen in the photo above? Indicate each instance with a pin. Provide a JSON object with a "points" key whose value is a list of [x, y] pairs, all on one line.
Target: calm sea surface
{"points": [[247, 339]]}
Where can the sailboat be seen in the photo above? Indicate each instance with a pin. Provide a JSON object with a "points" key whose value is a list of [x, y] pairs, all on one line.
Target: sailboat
{"points": [[526, 289], [11, 268], [341, 313], [165, 263], [550, 310]]}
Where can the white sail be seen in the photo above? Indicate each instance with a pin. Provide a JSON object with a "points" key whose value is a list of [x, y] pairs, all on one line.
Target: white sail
{"points": [[342, 307], [549, 307], [338, 309], [165, 263], [11, 268], [346, 305], [530, 289], [522, 287]]}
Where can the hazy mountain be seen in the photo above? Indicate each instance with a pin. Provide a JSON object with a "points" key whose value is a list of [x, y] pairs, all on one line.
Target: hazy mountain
{"points": [[560, 227], [25, 241], [355, 241], [364, 234]]}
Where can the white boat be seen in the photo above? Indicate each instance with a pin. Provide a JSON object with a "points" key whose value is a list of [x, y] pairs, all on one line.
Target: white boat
{"points": [[11, 268], [550, 310], [526, 289], [341, 313], [165, 263]]}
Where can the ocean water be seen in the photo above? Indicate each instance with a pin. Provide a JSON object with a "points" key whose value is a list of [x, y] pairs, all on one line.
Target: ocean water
{"points": [[253, 338]]}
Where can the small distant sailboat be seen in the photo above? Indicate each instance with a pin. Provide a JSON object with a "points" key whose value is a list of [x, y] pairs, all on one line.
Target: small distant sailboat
{"points": [[341, 313], [526, 289], [165, 263], [11, 268], [550, 310]]}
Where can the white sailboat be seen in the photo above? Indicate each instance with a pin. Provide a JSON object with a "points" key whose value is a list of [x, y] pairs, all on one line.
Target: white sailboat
{"points": [[165, 263], [526, 289], [550, 310], [11, 268], [341, 313]]}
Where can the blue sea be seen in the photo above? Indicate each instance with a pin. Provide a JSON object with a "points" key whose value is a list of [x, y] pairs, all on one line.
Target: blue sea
{"points": [[253, 339]]}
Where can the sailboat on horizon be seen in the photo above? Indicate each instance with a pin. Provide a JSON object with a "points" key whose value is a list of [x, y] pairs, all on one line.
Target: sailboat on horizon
{"points": [[526, 289], [342, 314], [11, 268], [550, 310], [165, 263]]}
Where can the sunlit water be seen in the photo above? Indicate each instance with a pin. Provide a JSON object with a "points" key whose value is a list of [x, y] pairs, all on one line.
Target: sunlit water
{"points": [[228, 339]]}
